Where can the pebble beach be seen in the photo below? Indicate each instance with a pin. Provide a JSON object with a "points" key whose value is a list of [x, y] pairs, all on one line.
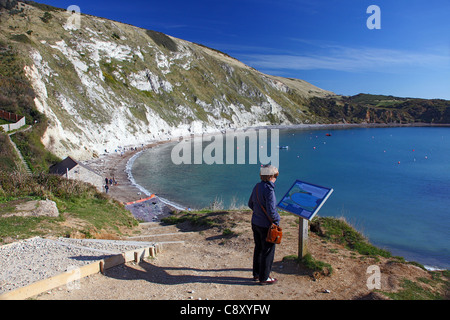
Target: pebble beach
{"points": [[116, 165]]}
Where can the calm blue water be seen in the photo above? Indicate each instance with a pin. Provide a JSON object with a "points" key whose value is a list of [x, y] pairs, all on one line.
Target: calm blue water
{"points": [[392, 184]]}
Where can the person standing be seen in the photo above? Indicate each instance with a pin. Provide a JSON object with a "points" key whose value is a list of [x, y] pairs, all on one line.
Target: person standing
{"points": [[263, 198]]}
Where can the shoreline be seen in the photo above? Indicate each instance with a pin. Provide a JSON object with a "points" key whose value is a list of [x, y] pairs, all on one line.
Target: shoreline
{"points": [[127, 190], [144, 205], [133, 182], [115, 165]]}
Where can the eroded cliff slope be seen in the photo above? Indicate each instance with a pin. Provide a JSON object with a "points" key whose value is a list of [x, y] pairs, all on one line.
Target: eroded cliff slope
{"points": [[104, 84]]}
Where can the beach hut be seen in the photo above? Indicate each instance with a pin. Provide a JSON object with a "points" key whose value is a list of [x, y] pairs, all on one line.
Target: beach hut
{"points": [[72, 169]]}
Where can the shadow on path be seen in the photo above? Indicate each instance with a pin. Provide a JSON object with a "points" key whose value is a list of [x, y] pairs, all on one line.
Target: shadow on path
{"points": [[161, 275]]}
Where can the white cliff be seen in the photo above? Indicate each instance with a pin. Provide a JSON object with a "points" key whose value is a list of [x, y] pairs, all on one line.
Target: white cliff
{"points": [[107, 84]]}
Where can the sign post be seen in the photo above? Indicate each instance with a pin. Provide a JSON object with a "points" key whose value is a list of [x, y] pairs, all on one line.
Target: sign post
{"points": [[303, 227], [304, 200]]}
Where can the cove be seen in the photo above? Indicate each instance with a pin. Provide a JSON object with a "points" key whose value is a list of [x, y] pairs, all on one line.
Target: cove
{"points": [[392, 184]]}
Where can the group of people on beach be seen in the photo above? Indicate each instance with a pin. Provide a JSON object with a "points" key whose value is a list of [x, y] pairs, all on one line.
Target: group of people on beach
{"points": [[111, 182]]}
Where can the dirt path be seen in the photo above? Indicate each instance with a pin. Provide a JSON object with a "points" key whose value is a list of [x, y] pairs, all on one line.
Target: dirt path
{"points": [[210, 266]]}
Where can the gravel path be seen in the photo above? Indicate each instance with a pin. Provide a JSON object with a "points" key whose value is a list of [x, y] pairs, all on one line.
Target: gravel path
{"points": [[25, 262]]}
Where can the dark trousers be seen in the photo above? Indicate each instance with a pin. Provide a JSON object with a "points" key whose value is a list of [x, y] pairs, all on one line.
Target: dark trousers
{"points": [[264, 253]]}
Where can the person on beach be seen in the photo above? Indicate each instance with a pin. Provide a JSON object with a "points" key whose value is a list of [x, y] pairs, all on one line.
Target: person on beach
{"points": [[106, 188], [263, 195]]}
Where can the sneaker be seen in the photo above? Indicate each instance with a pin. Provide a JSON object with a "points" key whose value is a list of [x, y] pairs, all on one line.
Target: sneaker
{"points": [[268, 281]]}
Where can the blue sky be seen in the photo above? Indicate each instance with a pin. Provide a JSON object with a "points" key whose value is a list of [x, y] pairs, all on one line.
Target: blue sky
{"points": [[325, 42]]}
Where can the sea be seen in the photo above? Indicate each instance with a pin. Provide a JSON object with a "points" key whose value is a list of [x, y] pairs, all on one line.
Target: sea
{"points": [[391, 183]]}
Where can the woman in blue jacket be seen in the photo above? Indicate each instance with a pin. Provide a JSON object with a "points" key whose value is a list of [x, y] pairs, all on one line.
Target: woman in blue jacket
{"points": [[263, 195]]}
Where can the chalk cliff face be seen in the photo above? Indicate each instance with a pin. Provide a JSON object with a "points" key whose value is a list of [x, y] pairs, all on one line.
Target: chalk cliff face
{"points": [[104, 84]]}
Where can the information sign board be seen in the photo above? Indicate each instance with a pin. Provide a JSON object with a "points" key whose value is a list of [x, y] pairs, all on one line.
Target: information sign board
{"points": [[304, 199]]}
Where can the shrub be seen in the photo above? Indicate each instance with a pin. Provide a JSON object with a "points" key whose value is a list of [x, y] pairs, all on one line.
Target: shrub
{"points": [[317, 267], [47, 17], [162, 40], [8, 4], [43, 185]]}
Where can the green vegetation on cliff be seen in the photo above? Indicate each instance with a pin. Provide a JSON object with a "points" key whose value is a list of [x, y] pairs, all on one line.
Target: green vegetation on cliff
{"points": [[8, 156], [17, 96]]}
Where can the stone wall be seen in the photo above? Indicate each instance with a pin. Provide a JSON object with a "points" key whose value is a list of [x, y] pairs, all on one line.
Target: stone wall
{"points": [[8, 116]]}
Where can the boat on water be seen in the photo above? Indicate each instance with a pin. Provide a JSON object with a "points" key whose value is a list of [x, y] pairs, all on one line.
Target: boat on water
{"points": [[283, 147]]}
